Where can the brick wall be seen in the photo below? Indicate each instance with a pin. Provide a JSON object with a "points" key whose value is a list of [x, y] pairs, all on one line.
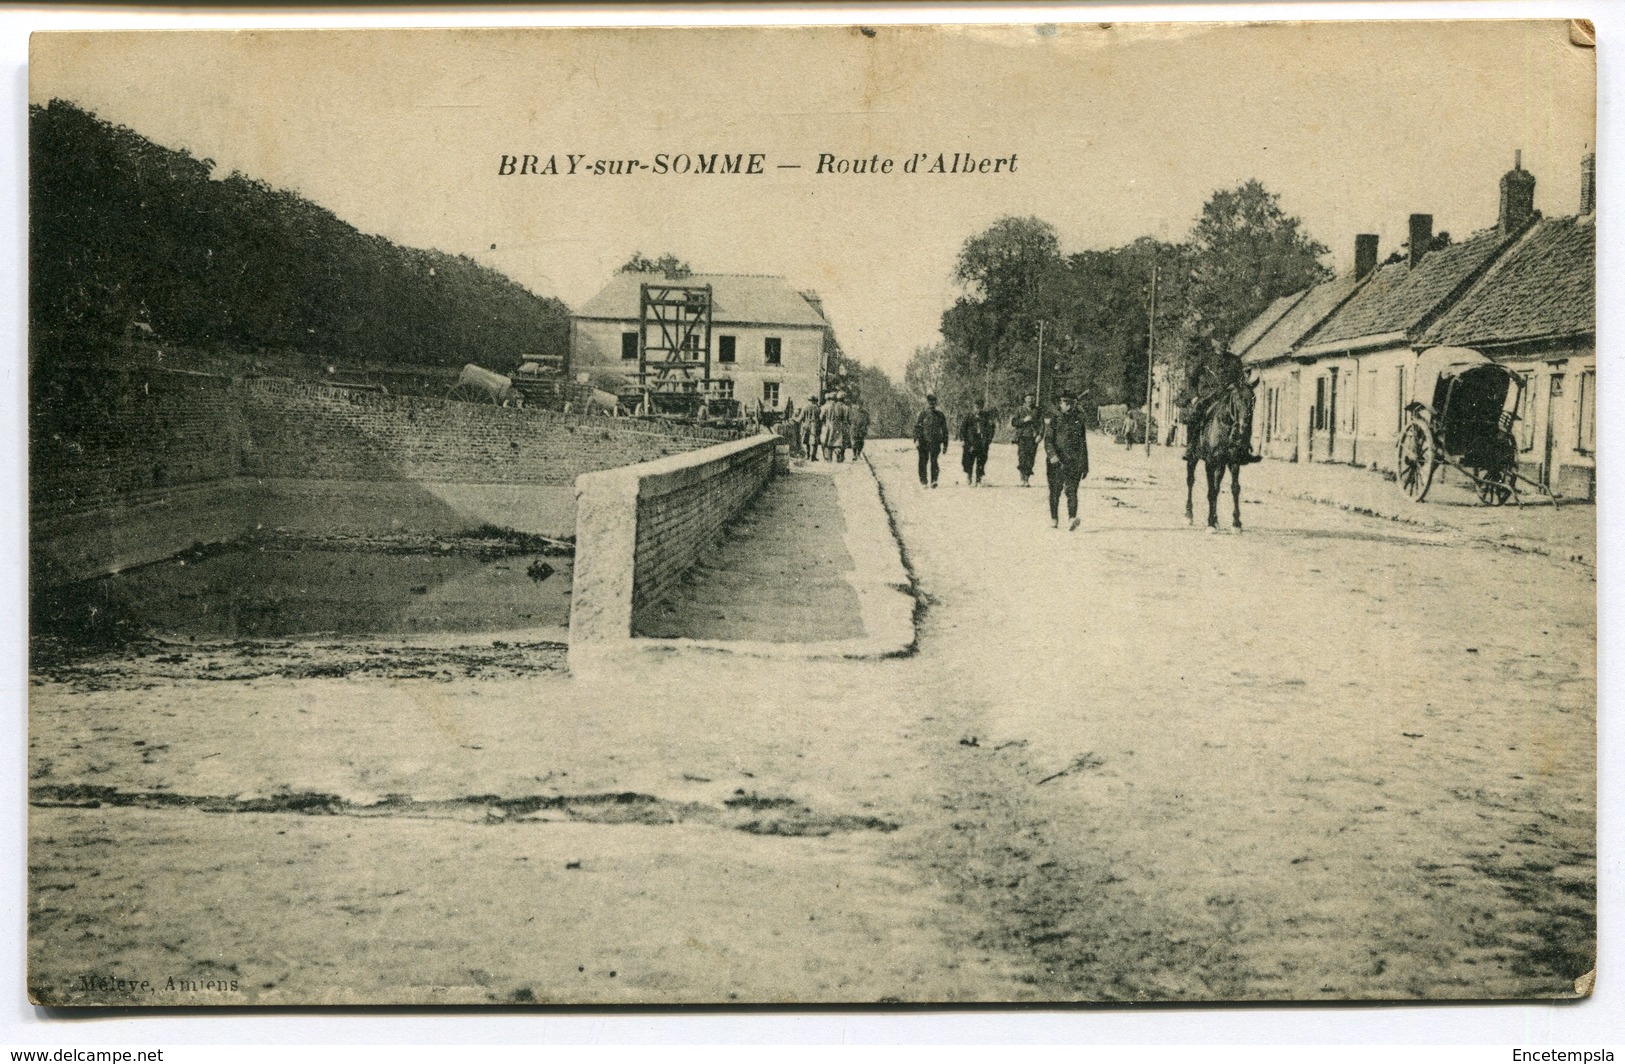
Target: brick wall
{"points": [[128, 466], [640, 528], [315, 432], [103, 439], [98, 439], [681, 513]]}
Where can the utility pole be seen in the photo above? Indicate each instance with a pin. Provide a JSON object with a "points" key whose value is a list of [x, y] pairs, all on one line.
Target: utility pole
{"points": [[1039, 387], [1150, 360]]}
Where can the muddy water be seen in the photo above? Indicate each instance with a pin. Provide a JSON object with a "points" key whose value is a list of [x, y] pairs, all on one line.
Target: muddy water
{"points": [[258, 591]]}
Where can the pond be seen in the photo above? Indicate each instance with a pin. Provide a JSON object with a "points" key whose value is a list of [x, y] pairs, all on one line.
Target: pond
{"points": [[255, 590]]}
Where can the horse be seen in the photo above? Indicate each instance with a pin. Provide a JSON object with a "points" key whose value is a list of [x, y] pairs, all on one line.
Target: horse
{"points": [[1221, 442]]}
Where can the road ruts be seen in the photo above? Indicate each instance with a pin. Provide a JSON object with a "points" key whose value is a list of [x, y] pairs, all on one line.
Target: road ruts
{"points": [[1326, 758]]}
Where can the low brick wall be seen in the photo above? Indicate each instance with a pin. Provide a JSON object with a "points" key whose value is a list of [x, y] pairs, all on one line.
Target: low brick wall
{"points": [[314, 432], [638, 529], [130, 465]]}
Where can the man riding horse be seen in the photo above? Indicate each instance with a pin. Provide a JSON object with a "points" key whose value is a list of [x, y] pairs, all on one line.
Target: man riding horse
{"points": [[1217, 409], [1211, 380]]}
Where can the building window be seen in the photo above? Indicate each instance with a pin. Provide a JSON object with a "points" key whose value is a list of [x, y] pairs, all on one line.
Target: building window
{"points": [[723, 387], [1402, 400], [725, 349], [770, 393], [773, 350], [691, 347], [1588, 411], [1318, 417], [629, 345]]}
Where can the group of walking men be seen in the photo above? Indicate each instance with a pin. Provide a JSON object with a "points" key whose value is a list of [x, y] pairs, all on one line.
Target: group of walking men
{"points": [[1066, 450], [833, 426]]}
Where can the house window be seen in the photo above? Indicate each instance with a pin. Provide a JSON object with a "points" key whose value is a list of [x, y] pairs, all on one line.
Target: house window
{"points": [[725, 388], [1588, 411], [629, 345], [1402, 399], [773, 350], [770, 393], [725, 349], [691, 347], [1318, 418]]}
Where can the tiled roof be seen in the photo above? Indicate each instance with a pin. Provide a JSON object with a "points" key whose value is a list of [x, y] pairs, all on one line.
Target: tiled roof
{"points": [[1259, 325], [1544, 286], [1399, 299], [1309, 310], [736, 299]]}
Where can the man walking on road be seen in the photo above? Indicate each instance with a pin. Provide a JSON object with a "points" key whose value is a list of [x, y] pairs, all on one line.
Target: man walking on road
{"points": [[1066, 455], [836, 425], [976, 436], [931, 440], [860, 428], [809, 428], [1029, 426]]}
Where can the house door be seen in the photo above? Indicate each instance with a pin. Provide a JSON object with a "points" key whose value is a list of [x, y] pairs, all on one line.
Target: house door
{"points": [[1554, 393], [1331, 419], [1295, 411]]}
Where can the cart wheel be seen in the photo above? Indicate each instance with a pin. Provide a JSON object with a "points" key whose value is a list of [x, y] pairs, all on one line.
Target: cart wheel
{"points": [[1492, 489], [1416, 461], [463, 393]]}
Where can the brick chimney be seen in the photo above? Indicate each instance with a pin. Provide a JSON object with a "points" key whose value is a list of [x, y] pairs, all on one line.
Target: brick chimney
{"points": [[1421, 237], [1365, 255], [1517, 197], [1588, 183]]}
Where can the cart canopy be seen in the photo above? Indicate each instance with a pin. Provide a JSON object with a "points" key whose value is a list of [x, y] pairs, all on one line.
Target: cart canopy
{"points": [[1443, 363], [1473, 402]]}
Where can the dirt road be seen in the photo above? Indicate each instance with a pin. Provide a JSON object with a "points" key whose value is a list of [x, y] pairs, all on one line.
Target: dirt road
{"points": [[1328, 757], [1331, 757]]}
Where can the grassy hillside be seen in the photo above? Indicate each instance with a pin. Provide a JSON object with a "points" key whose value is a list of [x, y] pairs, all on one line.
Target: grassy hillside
{"points": [[129, 239]]}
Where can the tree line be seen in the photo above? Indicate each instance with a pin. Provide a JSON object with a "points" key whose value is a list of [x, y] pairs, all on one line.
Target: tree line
{"points": [[128, 237], [1093, 308]]}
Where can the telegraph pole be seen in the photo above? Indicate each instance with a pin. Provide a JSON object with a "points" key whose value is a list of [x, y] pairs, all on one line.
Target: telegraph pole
{"points": [[1039, 387], [1150, 360]]}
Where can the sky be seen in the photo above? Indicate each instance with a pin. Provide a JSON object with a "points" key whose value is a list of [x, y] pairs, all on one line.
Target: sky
{"points": [[1116, 132]]}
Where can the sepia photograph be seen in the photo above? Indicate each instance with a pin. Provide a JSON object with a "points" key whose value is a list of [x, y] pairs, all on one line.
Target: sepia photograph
{"points": [[1077, 513]]}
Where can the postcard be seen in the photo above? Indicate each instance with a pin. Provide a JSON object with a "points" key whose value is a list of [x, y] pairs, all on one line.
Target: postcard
{"points": [[1073, 513]]}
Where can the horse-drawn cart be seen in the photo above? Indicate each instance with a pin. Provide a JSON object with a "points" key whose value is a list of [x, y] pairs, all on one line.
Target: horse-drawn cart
{"points": [[1466, 424]]}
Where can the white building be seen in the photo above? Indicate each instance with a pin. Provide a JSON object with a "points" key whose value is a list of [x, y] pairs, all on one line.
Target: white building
{"points": [[1336, 364], [767, 338]]}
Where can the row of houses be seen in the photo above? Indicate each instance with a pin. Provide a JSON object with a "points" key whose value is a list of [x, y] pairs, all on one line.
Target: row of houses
{"points": [[770, 343], [1335, 364]]}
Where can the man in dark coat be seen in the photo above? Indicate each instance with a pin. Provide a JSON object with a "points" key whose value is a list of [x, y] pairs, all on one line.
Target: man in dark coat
{"points": [[1066, 455], [810, 428], [1029, 426], [976, 436], [860, 428], [931, 440]]}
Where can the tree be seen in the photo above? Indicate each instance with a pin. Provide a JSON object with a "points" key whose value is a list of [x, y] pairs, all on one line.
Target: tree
{"points": [[891, 413], [128, 238], [668, 264], [923, 376], [1005, 271], [1245, 252]]}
